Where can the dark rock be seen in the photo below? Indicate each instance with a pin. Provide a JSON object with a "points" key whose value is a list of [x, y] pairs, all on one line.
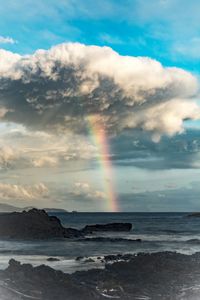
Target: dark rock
{"points": [[14, 265], [89, 260], [79, 258], [85, 259], [108, 227], [195, 214], [72, 233], [112, 258], [158, 276], [33, 224], [52, 259], [43, 283]]}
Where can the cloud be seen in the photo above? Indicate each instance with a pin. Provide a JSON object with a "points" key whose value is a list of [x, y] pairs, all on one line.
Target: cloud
{"points": [[109, 39], [138, 150], [82, 185], [55, 90], [8, 157], [84, 189], [23, 192], [7, 40], [45, 161], [188, 49], [21, 148]]}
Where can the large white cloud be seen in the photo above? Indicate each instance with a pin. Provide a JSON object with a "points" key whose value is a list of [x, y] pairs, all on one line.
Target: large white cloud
{"points": [[20, 149], [86, 190], [58, 88]]}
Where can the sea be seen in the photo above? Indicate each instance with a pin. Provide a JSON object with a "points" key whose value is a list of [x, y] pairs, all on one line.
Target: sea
{"points": [[158, 232]]}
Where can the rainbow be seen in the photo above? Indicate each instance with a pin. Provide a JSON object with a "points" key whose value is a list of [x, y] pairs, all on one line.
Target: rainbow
{"points": [[99, 138]]}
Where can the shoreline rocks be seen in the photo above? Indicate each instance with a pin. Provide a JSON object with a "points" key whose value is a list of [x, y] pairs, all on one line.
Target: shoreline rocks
{"points": [[158, 276]]}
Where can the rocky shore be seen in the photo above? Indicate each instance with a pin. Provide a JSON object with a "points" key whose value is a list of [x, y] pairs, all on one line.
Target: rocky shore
{"points": [[157, 276]]}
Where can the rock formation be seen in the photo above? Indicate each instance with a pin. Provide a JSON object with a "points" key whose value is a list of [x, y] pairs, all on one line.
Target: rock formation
{"points": [[33, 224], [37, 224]]}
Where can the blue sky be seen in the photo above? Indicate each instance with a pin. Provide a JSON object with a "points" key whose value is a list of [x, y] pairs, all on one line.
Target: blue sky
{"points": [[167, 30], [46, 152]]}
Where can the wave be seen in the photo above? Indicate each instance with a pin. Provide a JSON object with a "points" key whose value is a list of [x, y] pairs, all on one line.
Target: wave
{"points": [[166, 238], [193, 241], [109, 239], [172, 231]]}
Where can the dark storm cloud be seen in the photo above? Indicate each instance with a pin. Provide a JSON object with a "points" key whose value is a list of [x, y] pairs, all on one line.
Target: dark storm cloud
{"points": [[138, 150], [57, 89]]}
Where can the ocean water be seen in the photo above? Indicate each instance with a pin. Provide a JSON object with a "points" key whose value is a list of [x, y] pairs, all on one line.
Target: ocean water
{"points": [[158, 231]]}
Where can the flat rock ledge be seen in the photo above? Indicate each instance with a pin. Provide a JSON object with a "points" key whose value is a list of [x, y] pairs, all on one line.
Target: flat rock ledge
{"points": [[107, 227]]}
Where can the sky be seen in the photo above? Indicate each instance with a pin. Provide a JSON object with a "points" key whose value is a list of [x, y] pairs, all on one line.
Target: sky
{"points": [[99, 104]]}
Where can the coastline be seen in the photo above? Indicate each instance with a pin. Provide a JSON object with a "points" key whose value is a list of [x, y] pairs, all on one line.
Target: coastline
{"points": [[101, 261]]}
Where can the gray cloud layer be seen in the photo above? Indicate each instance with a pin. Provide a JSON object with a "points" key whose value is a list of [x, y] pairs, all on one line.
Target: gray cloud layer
{"points": [[57, 89], [138, 150]]}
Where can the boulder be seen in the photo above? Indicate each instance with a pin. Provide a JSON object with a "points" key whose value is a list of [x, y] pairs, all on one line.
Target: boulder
{"points": [[53, 259]]}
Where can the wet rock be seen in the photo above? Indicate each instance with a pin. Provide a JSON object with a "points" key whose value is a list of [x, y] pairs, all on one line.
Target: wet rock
{"points": [[46, 282], [118, 257], [89, 260], [78, 258], [108, 227], [72, 233], [52, 259], [158, 276]]}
